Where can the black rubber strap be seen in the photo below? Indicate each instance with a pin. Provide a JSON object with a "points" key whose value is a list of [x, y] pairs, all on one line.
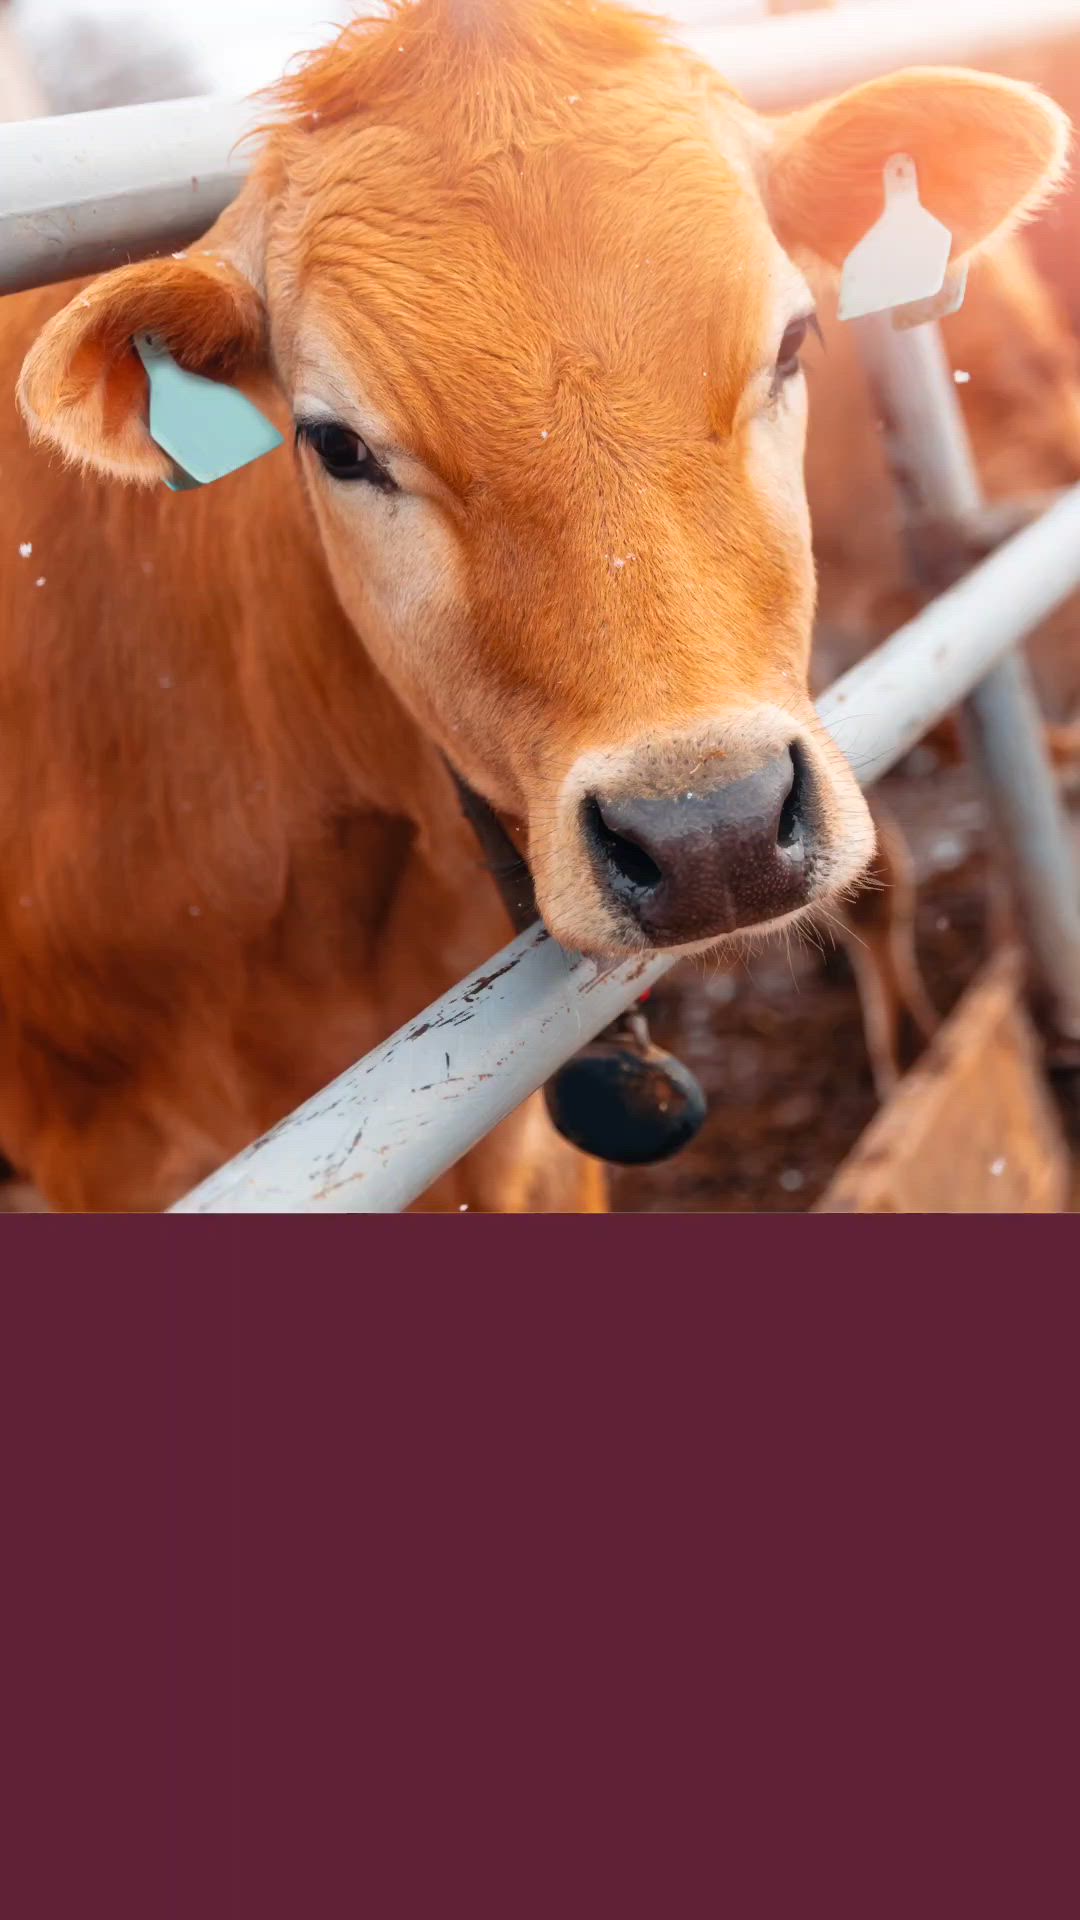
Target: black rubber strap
{"points": [[502, 859]]}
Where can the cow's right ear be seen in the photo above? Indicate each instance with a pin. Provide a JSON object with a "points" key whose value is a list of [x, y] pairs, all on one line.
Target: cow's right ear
{"points": [[83, 388], [988, 151]]}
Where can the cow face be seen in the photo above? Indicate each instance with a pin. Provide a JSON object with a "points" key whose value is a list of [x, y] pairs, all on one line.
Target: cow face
{"points": [[536, 289]]}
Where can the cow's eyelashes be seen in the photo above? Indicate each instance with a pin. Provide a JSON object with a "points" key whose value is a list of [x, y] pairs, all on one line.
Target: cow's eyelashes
{"points": [[342, 452], [791, 346]]}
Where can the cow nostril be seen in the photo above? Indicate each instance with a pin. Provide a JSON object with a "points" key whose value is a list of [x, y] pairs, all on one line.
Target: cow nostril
{"points": [[789, 830], [630, 861], [693, 865]]}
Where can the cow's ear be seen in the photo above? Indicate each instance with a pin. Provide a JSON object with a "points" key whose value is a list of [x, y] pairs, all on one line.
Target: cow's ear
{"points": [[988, 152], [83, 387]]}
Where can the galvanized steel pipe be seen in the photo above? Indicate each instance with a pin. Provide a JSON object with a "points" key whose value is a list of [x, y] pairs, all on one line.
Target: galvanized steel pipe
{"points": [[794, 58], [86, 191]]}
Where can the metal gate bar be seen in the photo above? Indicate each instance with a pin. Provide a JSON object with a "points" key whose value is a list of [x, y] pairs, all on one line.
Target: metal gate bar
{"points": [[376, 1138], [86, 191]]}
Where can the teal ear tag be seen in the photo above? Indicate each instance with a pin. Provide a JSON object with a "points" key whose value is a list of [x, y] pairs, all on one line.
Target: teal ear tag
{"points": [[206, 428]]}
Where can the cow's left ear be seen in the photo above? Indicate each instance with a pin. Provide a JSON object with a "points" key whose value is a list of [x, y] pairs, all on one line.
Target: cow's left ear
{"points": [[83, 388], [988, 152]]}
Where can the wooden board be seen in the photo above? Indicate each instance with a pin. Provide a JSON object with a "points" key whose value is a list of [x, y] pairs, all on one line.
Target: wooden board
{"points": [[971, 1129]]}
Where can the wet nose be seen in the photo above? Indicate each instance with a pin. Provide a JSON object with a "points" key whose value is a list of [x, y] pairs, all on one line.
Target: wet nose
{"points": [[695, 865]]}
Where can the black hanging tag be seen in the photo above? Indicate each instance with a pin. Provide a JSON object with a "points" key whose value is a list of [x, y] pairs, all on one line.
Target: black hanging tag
{"points": [[625, 1100]]}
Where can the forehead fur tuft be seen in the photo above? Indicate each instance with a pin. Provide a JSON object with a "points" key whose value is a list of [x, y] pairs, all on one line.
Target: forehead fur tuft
{"points": [[499, 51]]}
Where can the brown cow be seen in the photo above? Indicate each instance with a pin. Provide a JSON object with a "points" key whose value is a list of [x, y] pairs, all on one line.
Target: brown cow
{"points": [[523, 280]]}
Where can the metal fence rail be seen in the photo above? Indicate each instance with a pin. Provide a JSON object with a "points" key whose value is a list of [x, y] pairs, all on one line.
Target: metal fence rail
{"points": [[89, 190], [376, 1137]]}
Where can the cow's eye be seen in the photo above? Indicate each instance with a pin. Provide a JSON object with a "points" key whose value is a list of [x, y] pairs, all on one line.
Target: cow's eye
{"points": [[342, 452], [787, 360]]}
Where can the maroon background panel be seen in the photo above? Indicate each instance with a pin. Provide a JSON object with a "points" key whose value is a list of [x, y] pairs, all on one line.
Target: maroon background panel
{"points": [[538, 1568]]}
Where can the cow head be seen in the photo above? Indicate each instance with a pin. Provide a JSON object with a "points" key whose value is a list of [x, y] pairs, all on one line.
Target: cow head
{"points": [[535, 286]]}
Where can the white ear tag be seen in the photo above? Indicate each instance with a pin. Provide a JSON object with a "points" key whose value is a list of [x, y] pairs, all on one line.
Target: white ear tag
{"points": [[903, 258], [206, 428], [940, 305]]}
